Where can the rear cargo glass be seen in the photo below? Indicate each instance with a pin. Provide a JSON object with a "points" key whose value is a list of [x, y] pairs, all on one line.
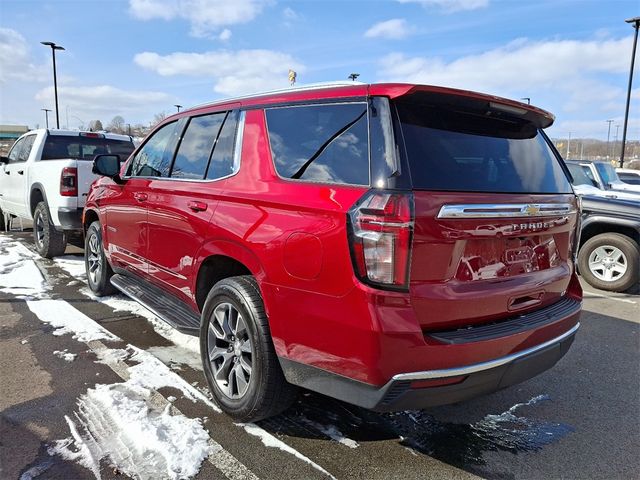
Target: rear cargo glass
{"points": [[84, 148], [468, 152]]}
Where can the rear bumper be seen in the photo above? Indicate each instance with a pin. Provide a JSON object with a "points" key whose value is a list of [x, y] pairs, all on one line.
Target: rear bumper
{"points": [[471, 380], [69, 218]]}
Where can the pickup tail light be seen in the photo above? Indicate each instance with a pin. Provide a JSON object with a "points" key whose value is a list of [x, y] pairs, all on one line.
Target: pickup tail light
{"points": [[380, 233], [69, 182]]}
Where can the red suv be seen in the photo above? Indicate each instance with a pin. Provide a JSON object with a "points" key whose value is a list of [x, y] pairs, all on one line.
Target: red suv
{"points": [[393, 246]]}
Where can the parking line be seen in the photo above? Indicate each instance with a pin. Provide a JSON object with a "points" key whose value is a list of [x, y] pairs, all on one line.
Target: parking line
{"points": [[600, 295]]}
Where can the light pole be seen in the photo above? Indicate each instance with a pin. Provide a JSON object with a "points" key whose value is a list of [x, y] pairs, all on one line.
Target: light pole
{"points": [[608, 135], [178, 107], [353, 76], [46, 115], [636, 24], [54, 47], [615, 141], [568, 146], [528, 99]]}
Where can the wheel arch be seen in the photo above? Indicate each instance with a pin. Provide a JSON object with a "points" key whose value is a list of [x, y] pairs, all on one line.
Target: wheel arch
{"points": [[593, 226], [37, 194]]}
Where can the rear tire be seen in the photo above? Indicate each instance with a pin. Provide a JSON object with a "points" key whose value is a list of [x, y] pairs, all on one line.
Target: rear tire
{"points": [[49, 241], [3, 223], [239, 360], [610, 261], [96, 265]]}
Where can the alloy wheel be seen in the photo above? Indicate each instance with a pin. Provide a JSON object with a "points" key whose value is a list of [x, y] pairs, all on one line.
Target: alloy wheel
{"points": [[230, 350], [94, 258], [39, 230], [608, 263]]}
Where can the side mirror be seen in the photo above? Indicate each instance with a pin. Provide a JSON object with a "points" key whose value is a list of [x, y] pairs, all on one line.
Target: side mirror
{"points": [[107, 166], [4, 160]]}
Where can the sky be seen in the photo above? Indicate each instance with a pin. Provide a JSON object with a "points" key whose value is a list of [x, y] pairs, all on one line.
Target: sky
{"points": [[137, 58]]}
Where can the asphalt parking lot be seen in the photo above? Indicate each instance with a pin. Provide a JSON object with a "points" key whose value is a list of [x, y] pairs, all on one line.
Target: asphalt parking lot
{"points": [[579, 420]]}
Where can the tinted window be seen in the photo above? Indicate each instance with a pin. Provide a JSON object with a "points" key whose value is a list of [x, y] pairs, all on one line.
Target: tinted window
{"points": [[321, 143], [607, 172], [629, 178], [83, 148], [457, 151], [222, 159], [16, 149], [196, 145], [154, 158]]}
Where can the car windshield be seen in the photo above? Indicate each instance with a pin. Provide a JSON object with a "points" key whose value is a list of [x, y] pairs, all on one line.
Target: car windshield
{"points": [[84, 148], [579, 175], [607, 172]]}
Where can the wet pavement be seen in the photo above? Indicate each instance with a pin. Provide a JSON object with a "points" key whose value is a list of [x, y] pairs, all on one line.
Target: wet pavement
{"points": [[581, 419]]}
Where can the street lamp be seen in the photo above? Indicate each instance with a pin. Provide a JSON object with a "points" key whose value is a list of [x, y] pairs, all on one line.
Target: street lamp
{"points": [[178, 107], [608, 136], [54, 47], [528, 99], [354, 76], [46, 115], [636, 24]]}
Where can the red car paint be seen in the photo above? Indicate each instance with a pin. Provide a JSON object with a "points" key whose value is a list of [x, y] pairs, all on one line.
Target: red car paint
{"points": [[293, 237]]}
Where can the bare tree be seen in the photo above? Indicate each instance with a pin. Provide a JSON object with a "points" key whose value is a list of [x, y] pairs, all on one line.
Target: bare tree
{"points": [[95, 126], [158, 117], [116, 125]]}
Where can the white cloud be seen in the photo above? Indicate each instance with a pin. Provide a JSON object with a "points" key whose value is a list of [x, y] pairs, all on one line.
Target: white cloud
{"points": [[231, 72], [205, 16], [103, 102], [225, 35], [15, 59], [395, 29], [290, 14], [450, 6]]}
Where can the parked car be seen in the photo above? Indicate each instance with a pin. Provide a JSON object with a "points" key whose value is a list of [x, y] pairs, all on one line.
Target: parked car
{"points": [[46, 177], [628, 175], [584, 184], [609, 255], [604, 175], [393, 246]]}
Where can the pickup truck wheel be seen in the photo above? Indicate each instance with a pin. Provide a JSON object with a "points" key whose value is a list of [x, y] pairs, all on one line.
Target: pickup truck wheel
{"points": [[3, 223], [240, 362], [610, 261], [96, 265], [49, 241]]}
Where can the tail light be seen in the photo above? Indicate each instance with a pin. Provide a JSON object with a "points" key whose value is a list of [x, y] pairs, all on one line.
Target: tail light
{"points": [[380, 229], [69, 182]]}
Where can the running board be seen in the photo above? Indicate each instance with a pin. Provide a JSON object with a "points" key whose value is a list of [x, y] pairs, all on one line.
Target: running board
{"points": [[160, 303]]}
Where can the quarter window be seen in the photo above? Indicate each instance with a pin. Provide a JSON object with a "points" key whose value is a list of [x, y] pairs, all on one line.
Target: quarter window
{"points": [[154, 158], [321, 143], [196, 146]]}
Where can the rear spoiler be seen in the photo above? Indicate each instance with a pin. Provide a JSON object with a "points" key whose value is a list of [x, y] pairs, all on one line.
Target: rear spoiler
{"points": [[480, 103]]}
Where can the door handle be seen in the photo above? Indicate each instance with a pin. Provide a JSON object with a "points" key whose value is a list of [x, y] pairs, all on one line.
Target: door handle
{"points": [[20, 172], [197, 206], [7, 172], [140, 196]]}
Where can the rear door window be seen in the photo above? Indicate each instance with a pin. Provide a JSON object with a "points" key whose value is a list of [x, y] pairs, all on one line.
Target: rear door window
{"points": [[458, 151], [196, 146], [321, 143], [222, 164]]}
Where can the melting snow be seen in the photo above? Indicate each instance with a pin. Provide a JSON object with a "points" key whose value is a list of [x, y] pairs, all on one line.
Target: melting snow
{"points": [[73, 265], [63, 354], [23, 280], [66, 319]]}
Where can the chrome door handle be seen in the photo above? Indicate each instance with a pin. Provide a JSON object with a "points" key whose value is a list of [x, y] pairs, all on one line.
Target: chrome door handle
{"points": [[20, 172]]}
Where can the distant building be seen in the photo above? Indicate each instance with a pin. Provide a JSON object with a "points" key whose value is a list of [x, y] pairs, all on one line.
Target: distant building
{"points": [[8, 135]]}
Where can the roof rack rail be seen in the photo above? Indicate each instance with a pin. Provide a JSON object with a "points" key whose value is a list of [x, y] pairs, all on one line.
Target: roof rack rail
{"points": [[301, 88]]}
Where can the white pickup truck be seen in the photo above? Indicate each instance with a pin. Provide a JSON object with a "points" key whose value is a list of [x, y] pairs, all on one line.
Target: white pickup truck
{"points": [[46, 178]]}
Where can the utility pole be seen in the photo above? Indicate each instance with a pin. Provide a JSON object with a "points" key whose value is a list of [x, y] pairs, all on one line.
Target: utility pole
{"points": [[636, 24], [608, 135], [615, 141], [568, 146], [46, 115]]}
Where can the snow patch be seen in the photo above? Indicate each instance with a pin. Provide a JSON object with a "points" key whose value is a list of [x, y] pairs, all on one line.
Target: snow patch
{"points": [[269, 440], [66, 356], [73, 265], [118, 424], [23, 280], [332, 432], [177, 354], [66, 319]]}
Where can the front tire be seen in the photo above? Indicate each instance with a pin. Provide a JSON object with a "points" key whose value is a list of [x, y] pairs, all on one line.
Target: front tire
{"points": [[96, 265], [49, 241], [239, 360], [610, 261]]}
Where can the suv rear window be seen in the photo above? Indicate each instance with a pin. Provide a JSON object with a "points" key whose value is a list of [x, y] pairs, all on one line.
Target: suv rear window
{"points": [[84, 148], [467, 152], [321, 143]]}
